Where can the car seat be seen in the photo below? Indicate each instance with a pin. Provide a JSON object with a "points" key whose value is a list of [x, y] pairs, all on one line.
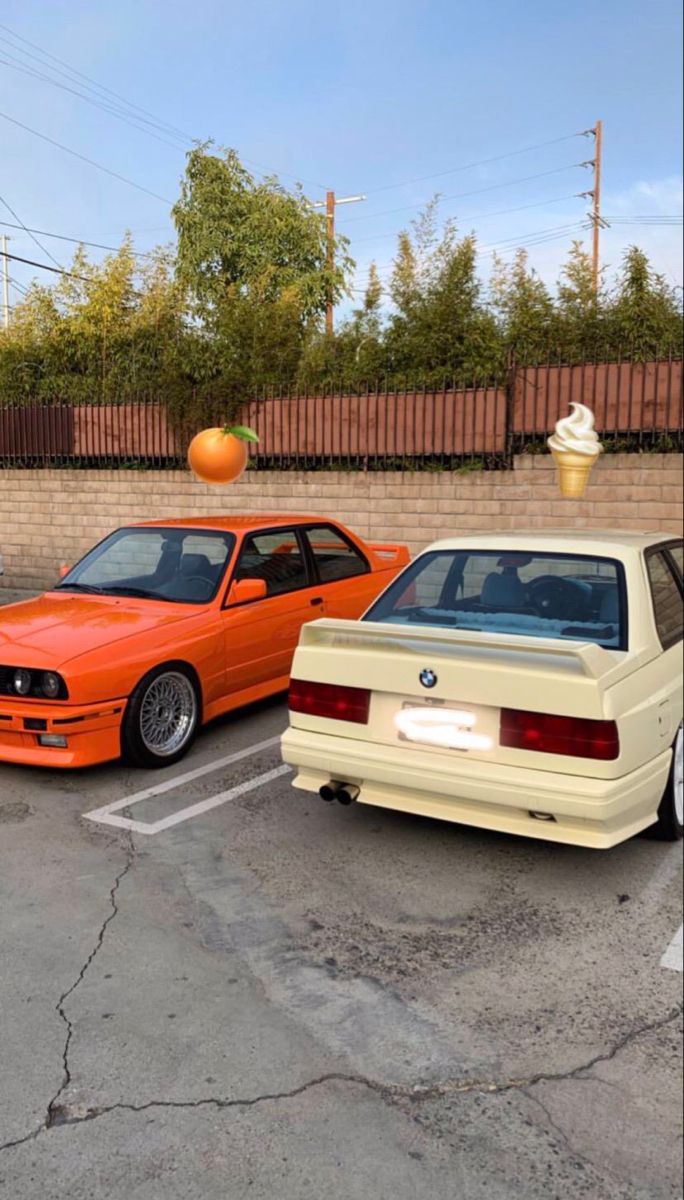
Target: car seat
{"points": [[197, 564], [280, 572], [503, 591], [610, 607]]}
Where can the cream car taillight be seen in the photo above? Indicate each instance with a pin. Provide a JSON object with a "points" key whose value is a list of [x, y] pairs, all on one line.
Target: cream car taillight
{"points": [[577, 737], [330, 700]]}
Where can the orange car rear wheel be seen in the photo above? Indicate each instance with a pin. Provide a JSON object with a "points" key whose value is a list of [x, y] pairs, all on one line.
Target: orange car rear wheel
{"points": [[162, 717]]}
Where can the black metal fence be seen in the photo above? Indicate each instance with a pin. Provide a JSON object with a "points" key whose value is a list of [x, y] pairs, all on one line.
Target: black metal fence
{"points": [[638, 406]]}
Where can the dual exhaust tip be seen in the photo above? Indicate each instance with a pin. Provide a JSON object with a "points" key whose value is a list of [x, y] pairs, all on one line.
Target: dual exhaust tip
{"points": [[344, 793]]}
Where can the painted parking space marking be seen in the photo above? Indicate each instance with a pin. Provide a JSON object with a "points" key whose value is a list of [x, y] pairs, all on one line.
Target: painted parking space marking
{"points": [[102, 817], [109, 814], [672, 958]]}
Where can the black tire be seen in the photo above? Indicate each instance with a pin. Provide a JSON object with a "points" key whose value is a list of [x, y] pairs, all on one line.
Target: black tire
{"points": [[166, 701], [670, 827]]}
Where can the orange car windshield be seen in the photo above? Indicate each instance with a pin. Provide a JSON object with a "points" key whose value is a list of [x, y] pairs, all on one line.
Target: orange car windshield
{"points": [[176, 565]]}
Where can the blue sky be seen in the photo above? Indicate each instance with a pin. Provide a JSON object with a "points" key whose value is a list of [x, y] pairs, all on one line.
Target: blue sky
{"points": [[361, 97]]}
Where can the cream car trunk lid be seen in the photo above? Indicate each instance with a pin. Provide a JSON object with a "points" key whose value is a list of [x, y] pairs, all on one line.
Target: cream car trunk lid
{"points": [[473, 673]]}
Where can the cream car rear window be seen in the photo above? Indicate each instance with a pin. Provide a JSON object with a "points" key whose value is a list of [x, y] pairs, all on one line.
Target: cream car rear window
{"points": [[575, 597]]}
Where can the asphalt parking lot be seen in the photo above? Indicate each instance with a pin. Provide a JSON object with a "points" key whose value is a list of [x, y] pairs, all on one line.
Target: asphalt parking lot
{"points": [[229, 989]]}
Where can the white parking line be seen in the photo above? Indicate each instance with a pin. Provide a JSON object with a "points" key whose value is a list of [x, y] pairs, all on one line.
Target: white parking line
{"points": [[672, 958], [107, 815]]}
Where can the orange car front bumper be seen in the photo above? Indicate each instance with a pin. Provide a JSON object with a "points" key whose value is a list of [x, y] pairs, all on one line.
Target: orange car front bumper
{"points": [[92, 733]]}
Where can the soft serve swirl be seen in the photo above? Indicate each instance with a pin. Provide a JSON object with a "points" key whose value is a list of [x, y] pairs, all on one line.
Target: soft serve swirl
{"points": [[576, 434]]}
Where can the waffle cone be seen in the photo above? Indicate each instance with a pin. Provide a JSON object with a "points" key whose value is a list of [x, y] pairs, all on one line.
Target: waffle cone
{"points": [[573, 472]]}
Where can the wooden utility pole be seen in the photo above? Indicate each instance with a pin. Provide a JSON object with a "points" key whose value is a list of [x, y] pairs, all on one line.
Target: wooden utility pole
{"points": [[330, 233], [5, 281], [330, 204], [596, 206]]}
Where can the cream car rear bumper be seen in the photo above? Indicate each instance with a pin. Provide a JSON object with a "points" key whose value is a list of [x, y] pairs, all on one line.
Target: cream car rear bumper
{"points": [[597, 813]]}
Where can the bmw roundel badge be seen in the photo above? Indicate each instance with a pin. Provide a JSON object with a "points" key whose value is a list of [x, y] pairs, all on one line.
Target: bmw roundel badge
{"points": [[428, 678]]}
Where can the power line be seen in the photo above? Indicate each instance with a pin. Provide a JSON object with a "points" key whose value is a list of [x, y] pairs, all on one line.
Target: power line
{"points": [[518, 239], [647, 222], [647, 217], [103, 106], [76, 241], [482, 162], [499, 212], [93, 82], [551, 235], [525, 243], [146, 116], [532, 238], [137, 114], [18, 286], [124, 108], [475, 192], [30, 232], [91, 162], [44, 267], [537, 233]]}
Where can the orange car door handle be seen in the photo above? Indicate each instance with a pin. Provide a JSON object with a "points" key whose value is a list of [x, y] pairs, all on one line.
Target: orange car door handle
{"points": [[316, 601]]}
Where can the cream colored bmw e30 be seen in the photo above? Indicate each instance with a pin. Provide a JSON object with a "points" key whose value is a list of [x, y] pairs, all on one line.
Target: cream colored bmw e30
{"points": [[525, 683]]}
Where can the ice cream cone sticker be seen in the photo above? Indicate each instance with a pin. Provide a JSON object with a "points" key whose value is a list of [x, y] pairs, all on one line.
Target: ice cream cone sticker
{"points": [[575, 447]]}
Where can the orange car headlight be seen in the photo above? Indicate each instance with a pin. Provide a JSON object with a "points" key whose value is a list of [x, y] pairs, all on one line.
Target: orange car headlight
{"points": [[31, 684], [51, 685]]}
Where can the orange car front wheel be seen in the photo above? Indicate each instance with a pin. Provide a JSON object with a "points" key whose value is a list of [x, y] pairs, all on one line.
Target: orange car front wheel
{"points": [[162, 717]]}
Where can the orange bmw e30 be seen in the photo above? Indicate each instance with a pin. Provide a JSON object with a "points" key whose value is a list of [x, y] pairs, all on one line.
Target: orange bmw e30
{"points": [[166, 625]]}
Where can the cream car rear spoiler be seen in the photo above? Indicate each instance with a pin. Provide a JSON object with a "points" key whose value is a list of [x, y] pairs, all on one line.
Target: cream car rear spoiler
{"points": [[603, 666]]}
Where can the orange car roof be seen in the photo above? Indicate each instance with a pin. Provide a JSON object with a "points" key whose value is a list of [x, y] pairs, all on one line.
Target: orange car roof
{"points": [[239, 522]]}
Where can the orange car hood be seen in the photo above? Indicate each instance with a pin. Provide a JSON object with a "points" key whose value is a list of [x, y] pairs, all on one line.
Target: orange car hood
{"points": [[54, 629]]}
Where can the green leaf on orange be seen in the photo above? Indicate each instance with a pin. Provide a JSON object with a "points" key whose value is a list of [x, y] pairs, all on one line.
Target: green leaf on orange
{"points": [[242, 432]]}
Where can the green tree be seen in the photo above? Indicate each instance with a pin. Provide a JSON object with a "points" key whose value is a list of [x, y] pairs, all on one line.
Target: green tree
{"points": [[580, 308], [365, 353], [356, 354], [644, 314], [524, 307], [441, 326], [101, 333], [253, 259], [238, 307], [237, 237]]}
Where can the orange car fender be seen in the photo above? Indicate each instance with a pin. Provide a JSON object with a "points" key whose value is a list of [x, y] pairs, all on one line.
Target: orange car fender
{"points": [[112, 673]]}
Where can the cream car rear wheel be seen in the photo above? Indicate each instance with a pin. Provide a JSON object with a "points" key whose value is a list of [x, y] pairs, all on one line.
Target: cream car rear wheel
{"points": [[679, 777], [670, 824]]}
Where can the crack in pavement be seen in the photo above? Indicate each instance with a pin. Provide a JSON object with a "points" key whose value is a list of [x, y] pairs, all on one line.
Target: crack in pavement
{"points": [[54, 1108], [564, 1139], [66, 1080], [63, 1115]]}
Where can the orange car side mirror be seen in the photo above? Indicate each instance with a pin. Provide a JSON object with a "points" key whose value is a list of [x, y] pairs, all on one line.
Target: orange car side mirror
{"points": [[64, 571], [245, 591]]}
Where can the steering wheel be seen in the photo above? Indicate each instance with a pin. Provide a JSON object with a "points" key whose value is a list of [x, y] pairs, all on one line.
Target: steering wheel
{"points": [[558, 598]]}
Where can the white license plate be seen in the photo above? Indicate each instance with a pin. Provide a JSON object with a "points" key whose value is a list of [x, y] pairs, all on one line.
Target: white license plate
{"points": [[447, 728]]}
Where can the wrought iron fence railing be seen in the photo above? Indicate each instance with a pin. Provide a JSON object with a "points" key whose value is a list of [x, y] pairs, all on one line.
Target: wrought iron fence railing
{"points": [[638, 406]]}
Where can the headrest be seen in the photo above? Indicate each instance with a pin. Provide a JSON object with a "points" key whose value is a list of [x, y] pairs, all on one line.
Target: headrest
{"points": [[503, 591], [196, 564], [610, 607]]}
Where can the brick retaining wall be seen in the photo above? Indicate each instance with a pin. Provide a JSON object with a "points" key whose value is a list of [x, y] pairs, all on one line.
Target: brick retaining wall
{"points": [[48, 517]]}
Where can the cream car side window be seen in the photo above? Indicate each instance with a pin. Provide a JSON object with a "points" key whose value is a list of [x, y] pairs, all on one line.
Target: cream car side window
{"points": [[667, 600]]}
